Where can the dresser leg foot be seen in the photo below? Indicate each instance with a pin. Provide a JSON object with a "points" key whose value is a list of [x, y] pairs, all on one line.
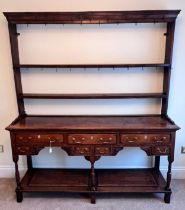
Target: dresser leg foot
{"points": [[93, 198], [19, 196], [17, 177], [168, 194], [167, 197]]}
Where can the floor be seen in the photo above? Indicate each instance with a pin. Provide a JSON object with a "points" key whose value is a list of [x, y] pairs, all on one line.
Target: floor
{"points": [[63, 201]]}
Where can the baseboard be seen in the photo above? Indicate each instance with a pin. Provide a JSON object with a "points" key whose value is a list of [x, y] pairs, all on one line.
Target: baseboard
{"points": [[177, 172], [9, 171]]}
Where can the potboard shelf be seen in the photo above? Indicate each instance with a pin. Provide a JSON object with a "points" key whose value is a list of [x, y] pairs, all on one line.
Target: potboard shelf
{"points": [[78, 180]]}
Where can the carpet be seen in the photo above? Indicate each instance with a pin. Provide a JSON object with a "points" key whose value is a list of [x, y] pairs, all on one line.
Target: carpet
{"points": [[75, 201]]}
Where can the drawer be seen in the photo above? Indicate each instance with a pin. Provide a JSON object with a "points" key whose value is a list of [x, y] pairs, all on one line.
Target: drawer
{"points": [[22, 139], [41, 139], [24, 150], [140, 139], [82, 150], [135, 139], [92, 139], [161, 150], [102, 150], [160, 139]]}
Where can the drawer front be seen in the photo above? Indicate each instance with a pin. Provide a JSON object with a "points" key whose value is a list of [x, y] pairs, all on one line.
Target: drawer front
{"points": [[92, 139], [140, 139], [24, 150], [161, 150], [41, 139], [102, 150], [160, 139], [82, 150]]}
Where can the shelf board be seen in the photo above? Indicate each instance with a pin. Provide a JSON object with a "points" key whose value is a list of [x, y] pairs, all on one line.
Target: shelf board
{"points": [[49, 180], [93, 65], [77, 180], [93, 17], [91, 96]]}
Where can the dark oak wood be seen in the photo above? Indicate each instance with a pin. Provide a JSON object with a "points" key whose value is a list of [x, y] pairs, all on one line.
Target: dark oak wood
{"points": [[167, 70], [15, 61], [93, 136], [96, 17], [93, 123], [18, 83], [77, 180], [51, 180], [153, 134], [157, 162], [91, 95], [99, 66]]}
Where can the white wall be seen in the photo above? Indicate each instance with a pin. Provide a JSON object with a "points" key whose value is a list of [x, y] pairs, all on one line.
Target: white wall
{"points": [[91, 44]]}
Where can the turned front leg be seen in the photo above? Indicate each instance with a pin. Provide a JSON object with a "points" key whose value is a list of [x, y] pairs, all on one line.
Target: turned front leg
{"points": [[167, 195], [18, 182], [29, 162], [157, 162], [93, 186], [93, 182]]}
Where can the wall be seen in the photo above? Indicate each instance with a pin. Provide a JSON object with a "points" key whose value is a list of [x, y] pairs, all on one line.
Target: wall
{"points": [[85, 40]]}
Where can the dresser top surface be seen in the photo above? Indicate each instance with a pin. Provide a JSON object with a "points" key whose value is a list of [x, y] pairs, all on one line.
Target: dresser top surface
{"points": [[157, 122]]}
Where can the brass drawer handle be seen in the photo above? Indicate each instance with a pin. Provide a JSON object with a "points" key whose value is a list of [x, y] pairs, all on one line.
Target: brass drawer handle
{"points": [[159, 141], [105, 141], [76, 141], [23, 150], [131, 141], [103, 150], [82, 150], [161, 151], [85, 150], [51, 141]]}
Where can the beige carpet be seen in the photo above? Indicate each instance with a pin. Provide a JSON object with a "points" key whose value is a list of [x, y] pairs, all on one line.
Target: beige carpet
{"points": [[57, 201]]}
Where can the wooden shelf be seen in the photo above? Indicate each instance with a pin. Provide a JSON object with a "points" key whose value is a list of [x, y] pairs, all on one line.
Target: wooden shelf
{"points": [[94, 17], [92, 95], [68, 180], [77, 180], [157, 65], [130, 180]]}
